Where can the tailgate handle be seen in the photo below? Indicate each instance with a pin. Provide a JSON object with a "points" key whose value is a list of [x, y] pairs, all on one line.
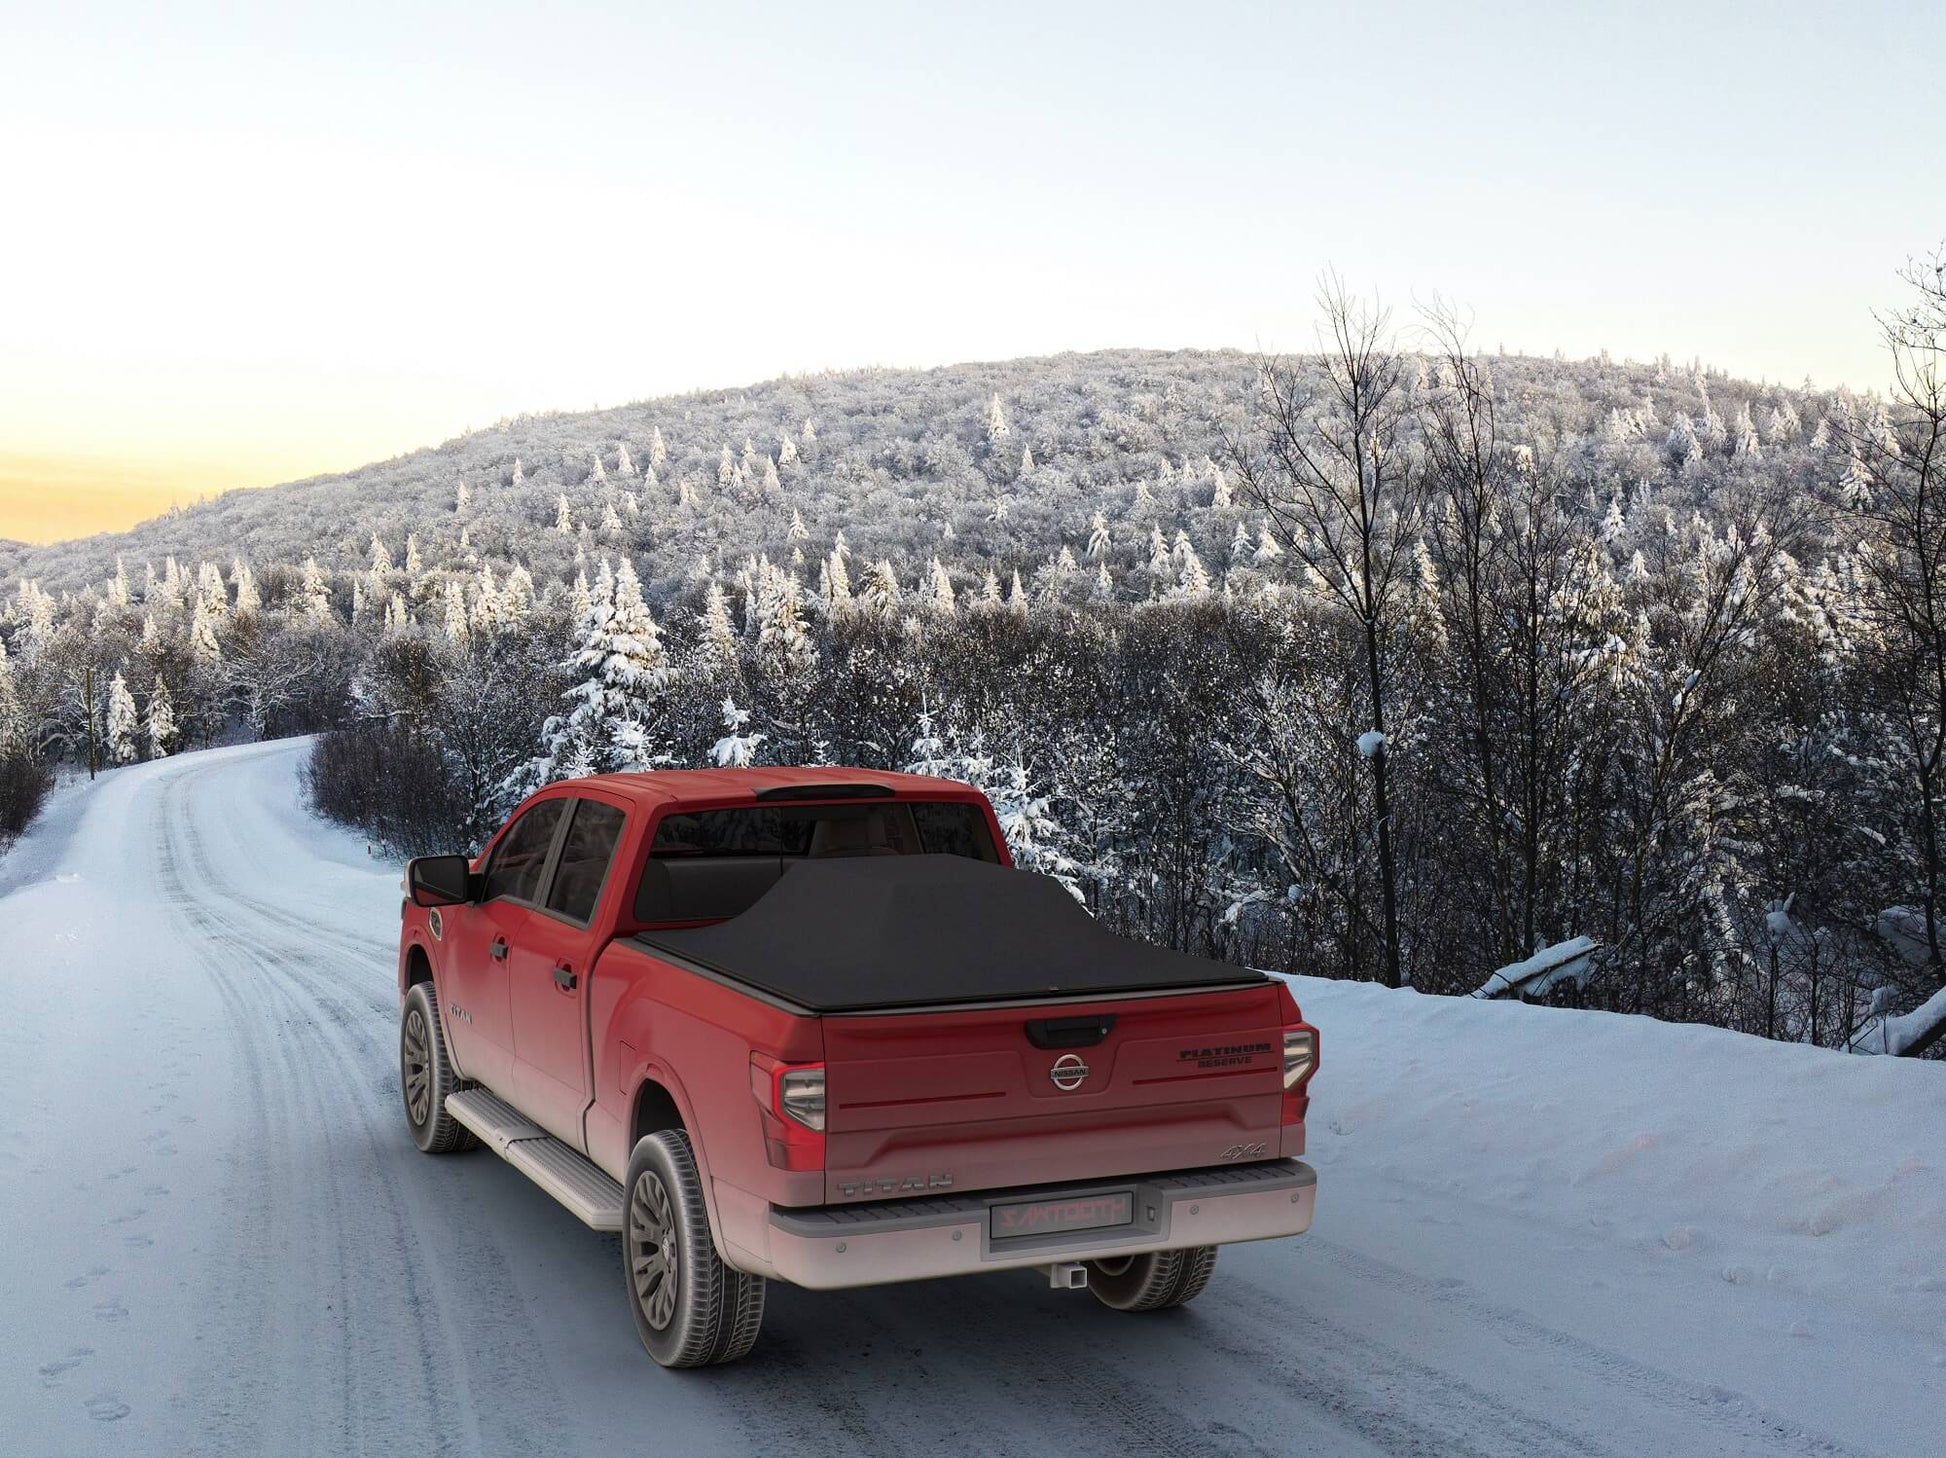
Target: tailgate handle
{"points": [[1070, 1032]]}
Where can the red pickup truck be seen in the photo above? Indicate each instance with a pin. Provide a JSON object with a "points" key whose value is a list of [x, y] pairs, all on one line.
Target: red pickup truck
{"points": [[811, 1025]]}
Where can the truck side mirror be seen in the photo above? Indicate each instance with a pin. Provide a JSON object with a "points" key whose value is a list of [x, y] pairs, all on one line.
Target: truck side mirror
{"points": [[439, 880]]}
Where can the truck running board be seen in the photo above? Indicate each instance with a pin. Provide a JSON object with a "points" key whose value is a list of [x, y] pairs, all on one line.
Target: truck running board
{"points": [[595, 1199]]}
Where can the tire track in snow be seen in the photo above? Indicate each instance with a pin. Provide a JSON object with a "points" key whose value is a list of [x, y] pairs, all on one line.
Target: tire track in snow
{"points": [[339, 1287]]}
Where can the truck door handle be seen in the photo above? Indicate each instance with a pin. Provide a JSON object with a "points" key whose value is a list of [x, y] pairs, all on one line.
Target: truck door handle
{"points": [[564, 977], [498, 951]]}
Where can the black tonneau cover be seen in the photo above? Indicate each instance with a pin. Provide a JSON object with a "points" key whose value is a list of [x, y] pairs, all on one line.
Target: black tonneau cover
{"points": [[851, 934]]}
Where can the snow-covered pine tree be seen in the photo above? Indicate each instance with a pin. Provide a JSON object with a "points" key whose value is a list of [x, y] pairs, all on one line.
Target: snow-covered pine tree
{"points": [[997, 427], [786, 450], [13, 719], [658, 452], [1744, 434], [381, 557], [1098, 536], [990, 599], [413, 565], [600, 472], [118, 586], [736, 749], [1192, 580], [520, 472], [880, 594], [314, 597], [837, 582], [454, 597], [943, 598], [160, 725], [517, 597], [483, 603], [1162, 564], [123, 725], [624, 462], [563, 516]]}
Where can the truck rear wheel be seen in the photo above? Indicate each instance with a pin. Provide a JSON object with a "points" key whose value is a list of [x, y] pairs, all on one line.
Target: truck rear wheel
{"points": [[1152, 1282], [690, 1309], [426, 1076]]}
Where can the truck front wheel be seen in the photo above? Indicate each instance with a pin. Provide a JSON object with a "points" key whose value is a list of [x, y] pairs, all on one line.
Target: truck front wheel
{"points": [[690, 1309], [426, 1076], [1152, 1282]]}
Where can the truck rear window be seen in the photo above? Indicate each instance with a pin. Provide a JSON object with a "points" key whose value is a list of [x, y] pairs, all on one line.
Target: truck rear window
{"points": [[794, 831]]}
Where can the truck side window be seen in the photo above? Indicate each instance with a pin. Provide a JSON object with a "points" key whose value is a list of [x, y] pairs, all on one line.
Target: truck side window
{"points": [[590, 846], [521, 855]]}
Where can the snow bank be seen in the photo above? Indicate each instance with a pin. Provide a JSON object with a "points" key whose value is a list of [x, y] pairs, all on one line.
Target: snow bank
{"points": [[1697, 1153]]}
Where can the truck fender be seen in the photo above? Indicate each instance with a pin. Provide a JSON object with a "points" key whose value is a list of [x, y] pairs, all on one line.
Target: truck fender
{"points": [[415, 940], [651, 1070]]}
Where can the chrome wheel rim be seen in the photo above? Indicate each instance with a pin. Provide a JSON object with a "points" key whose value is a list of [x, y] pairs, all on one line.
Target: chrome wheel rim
{"points": [[418, 1068], [653, 1262]]}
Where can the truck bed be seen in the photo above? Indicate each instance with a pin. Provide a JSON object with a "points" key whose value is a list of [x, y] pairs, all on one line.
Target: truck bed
{"points": [[880, 933]]}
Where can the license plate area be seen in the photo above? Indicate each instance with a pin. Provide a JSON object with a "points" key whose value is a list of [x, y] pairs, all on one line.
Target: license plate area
{"points": [[1062, 1215], [1111, 1215]]}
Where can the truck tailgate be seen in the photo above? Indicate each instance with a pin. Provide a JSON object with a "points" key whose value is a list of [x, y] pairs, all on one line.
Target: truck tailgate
{"points": [[985, 1098]]}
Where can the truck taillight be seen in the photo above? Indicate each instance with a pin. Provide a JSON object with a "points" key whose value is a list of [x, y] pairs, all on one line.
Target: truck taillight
{"points": [[800, 1096], [1300, 1062], [791, 1099]]}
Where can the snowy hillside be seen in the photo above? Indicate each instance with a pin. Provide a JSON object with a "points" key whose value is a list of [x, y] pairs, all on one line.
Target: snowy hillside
{"points": [[1539, 1231], [1014, 457]]}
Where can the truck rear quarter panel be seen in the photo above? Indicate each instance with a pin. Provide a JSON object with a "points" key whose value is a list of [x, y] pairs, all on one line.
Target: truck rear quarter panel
{"points": [[651, 1022]]}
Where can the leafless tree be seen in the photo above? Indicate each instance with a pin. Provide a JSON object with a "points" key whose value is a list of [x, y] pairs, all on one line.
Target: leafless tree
{"points": [[1335, 468], [1892, 506]]}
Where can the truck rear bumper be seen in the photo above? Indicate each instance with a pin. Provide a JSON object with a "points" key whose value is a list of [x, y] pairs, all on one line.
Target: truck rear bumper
{"points": [[881, 1242]]}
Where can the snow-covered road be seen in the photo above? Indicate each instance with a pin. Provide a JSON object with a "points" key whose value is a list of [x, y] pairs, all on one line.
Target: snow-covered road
{"points": [[1538, 1233]]}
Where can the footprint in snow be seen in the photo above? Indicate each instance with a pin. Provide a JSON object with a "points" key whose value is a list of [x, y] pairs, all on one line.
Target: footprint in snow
{"points": [[110, 1310], [51, 1371], [156, 1190], [1680, 1237], [126, 1216], [138, 1242], [106, 1409]]}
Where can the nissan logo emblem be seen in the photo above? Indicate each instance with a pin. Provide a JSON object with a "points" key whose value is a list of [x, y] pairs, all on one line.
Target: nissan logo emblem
{"points": [[1068, 1072]]}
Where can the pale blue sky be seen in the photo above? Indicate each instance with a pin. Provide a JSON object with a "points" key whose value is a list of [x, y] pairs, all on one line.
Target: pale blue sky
{"points": [[246, 245]]}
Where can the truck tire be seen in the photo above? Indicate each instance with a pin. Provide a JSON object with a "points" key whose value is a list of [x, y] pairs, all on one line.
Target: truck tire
{"points": [[1153, 1282], [426, 1076], [690, 1309]]}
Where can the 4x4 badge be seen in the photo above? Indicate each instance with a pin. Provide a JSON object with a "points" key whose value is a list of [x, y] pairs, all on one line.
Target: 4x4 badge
{"points": [[1068, 1073]]}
